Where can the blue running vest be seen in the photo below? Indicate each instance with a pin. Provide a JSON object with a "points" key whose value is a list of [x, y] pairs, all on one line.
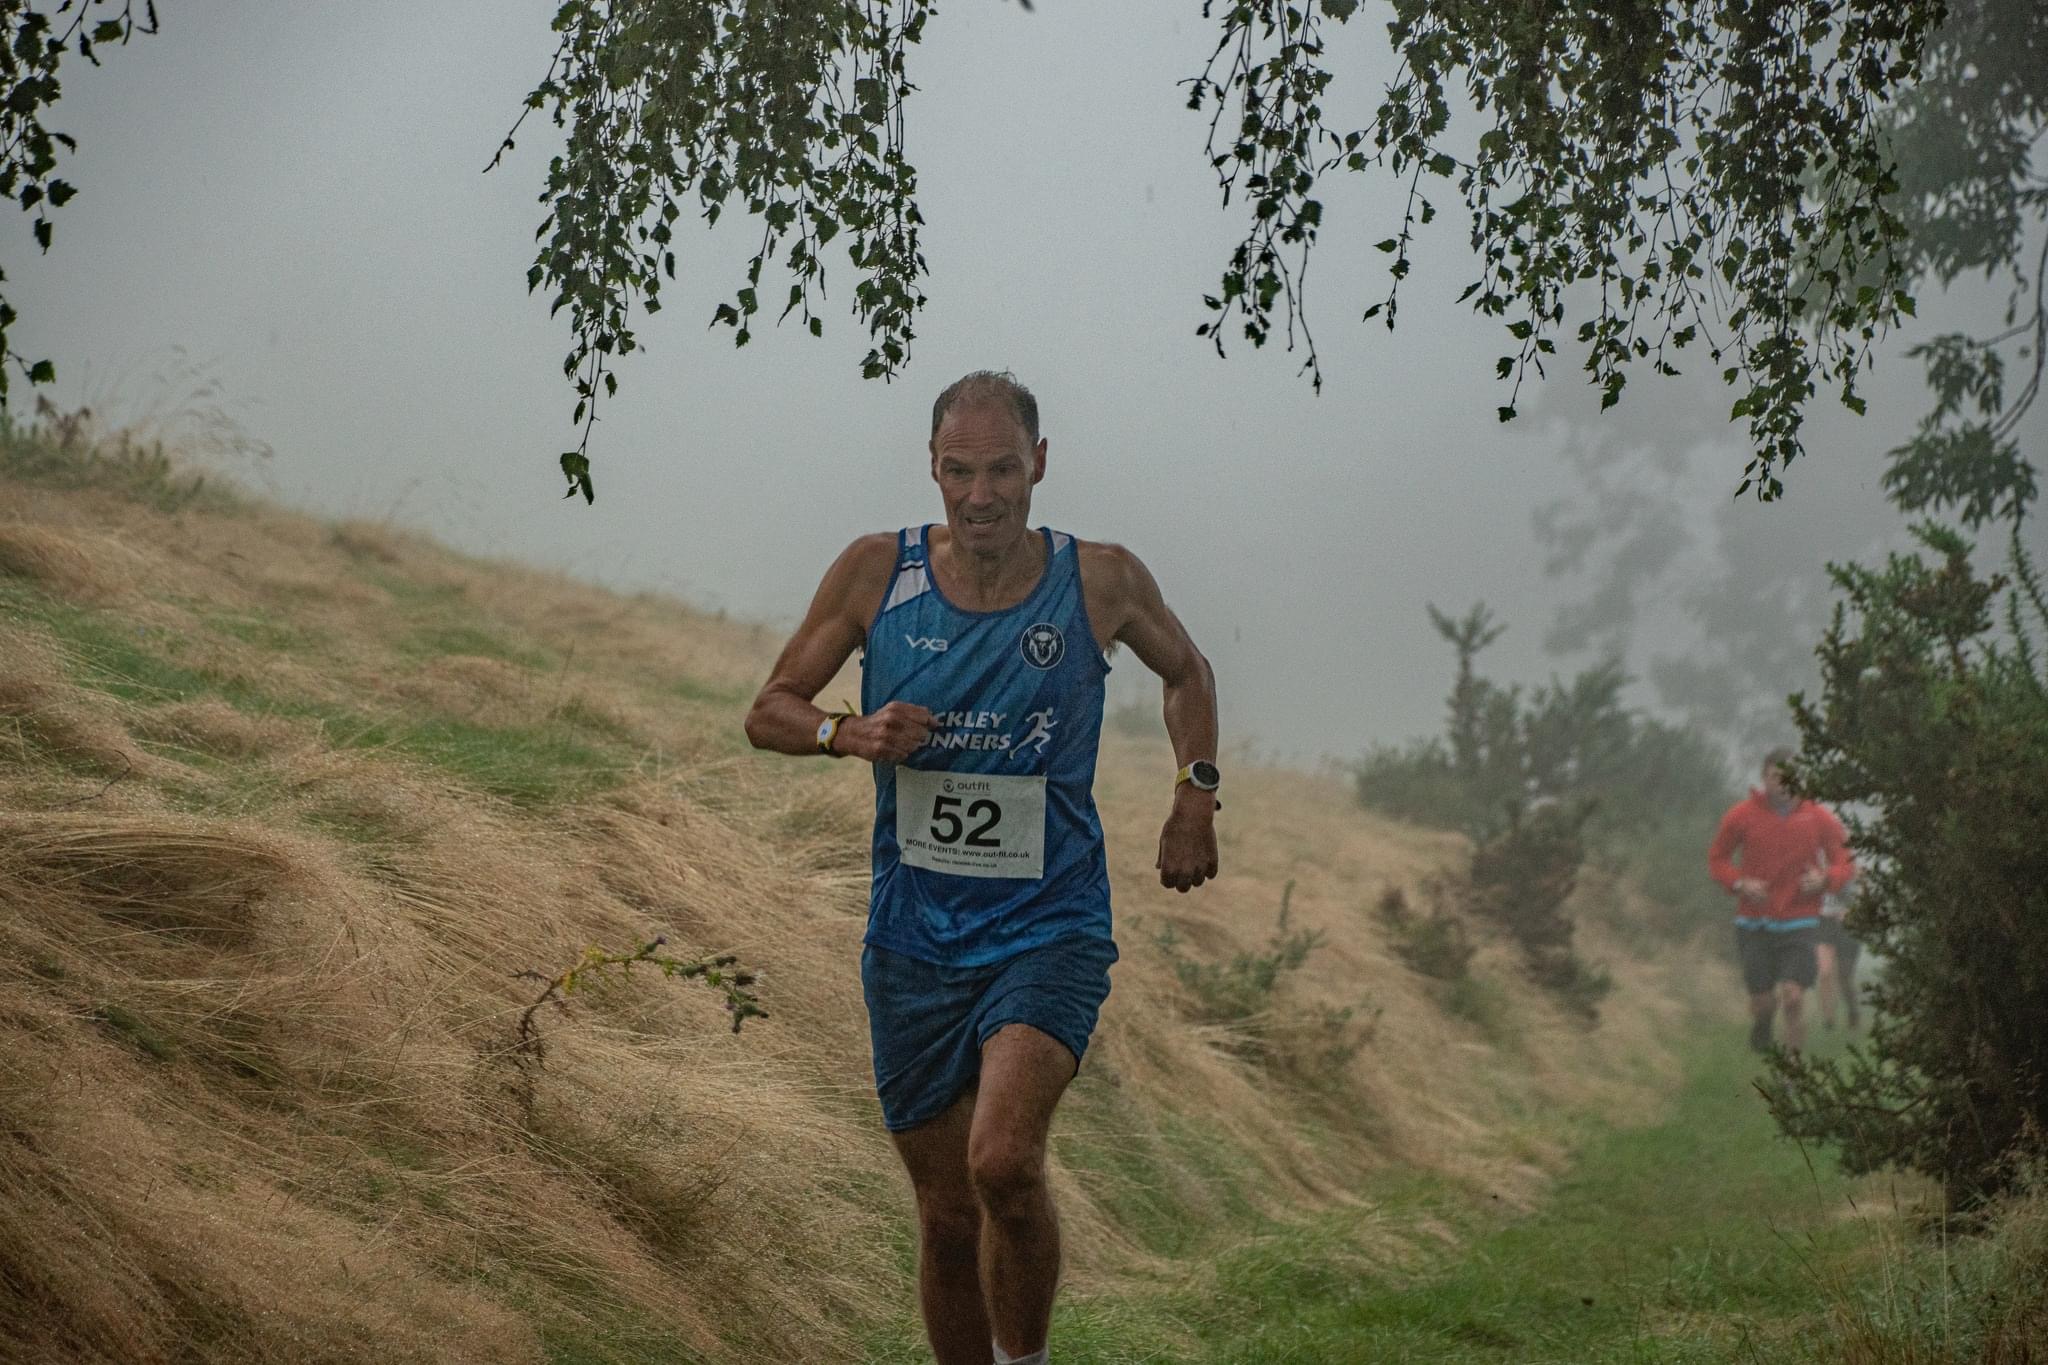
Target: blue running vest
{"points": [[986, 839]]}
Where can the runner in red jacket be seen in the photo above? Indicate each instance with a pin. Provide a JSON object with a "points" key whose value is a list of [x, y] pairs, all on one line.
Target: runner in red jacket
{"points": [[1778, 854]]}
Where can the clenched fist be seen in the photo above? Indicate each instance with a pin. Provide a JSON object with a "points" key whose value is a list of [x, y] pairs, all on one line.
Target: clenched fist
{"points": [[1187, 846], [889, 735]]}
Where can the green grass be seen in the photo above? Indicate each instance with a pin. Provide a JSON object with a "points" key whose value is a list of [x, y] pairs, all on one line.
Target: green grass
{"points": [[136, 470], [690, 689], [115, 655], [440, 638], [1703, 1238], [526, 765], [529, 765], [262, 630]]}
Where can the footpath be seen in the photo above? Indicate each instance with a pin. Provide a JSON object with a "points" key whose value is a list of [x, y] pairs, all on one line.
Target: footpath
{"points": [[1705, 1237]]}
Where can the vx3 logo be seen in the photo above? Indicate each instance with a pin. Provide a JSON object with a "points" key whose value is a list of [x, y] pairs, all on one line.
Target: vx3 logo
{"points": [[925, 642]]}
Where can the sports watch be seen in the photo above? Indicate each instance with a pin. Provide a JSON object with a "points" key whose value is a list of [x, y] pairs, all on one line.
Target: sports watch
{"points": [[1201, 775], [828, 730]]}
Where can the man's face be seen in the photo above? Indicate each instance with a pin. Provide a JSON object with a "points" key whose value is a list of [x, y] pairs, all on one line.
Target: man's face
{"points": [[1774, 783], [985, 470]]}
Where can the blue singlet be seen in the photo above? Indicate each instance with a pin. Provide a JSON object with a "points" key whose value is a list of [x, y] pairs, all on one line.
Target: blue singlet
{"points": [[986, 839]]}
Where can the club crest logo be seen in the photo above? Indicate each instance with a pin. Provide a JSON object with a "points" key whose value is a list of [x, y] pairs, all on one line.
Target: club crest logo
{"points": [[1042, 645]]}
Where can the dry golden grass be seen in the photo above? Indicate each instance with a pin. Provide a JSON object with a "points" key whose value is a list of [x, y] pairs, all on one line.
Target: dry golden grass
{"points": [[285, 807]]}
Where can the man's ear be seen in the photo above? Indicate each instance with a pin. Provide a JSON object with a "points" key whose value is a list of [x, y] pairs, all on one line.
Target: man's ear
{"points": [[1038, 460]]}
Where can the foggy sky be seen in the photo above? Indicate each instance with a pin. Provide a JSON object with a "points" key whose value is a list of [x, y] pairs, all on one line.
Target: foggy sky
{"points": [[290, 196]]}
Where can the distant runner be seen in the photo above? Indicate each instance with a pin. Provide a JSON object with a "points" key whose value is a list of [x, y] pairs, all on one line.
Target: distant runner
{"points": [[988, 944], [1778, 853], [1838, 951]]}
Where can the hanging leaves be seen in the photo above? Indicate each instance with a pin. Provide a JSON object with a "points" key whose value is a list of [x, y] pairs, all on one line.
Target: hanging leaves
{"points": [[791, 110], [34, 42], [1669, 170]]}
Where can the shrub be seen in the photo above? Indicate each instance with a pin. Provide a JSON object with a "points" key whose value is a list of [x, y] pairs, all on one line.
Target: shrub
{"points": [[1416, 782], [1241, 993], [1634, 792], [1435, 945], [1521, 879], [1241, 989], [1931, 732]]}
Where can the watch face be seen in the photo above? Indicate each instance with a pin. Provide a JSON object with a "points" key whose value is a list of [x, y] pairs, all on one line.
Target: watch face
{"points": [[1205, 776]]}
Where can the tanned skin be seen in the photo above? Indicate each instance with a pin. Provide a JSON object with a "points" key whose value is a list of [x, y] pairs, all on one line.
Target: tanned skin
{"points": [[989, 1238]]}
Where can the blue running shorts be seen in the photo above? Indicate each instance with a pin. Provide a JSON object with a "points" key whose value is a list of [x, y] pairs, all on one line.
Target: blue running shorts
{"points": [[928, 1022]]}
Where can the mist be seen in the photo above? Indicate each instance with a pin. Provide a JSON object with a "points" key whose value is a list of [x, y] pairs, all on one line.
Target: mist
{"points": [[289, 204]]}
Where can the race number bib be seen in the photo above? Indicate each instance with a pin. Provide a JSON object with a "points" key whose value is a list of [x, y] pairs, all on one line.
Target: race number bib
{"points": [[971, 824]]}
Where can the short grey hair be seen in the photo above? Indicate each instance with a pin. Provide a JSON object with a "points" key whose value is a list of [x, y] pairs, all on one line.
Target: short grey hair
{"points": [[1778, 757], [990, 386]]}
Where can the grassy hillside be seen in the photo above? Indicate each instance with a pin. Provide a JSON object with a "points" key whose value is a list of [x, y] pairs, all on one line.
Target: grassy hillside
{"points": [[287, 807]]}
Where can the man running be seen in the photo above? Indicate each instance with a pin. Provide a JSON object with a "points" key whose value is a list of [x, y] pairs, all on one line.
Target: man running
{"points": [[1778, 853], [988, 944], [1838, 950]]}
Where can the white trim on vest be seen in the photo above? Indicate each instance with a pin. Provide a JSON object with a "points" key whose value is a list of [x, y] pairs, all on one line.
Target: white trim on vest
{"points": [[911, 582]]}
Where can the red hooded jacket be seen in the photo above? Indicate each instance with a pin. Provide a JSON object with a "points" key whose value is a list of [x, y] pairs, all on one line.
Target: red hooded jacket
{"points": [[1756, 841]]}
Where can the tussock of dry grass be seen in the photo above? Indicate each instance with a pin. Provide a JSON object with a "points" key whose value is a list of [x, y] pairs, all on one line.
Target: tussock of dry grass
{"points": [[261, 915], [86, 567]]}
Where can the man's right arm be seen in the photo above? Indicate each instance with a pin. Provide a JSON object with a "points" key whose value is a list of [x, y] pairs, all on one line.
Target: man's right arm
{"points": [[784, 718], [1721, 859]]}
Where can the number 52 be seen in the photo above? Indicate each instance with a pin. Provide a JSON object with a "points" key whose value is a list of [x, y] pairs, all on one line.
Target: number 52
{"points": [[947, 826]]}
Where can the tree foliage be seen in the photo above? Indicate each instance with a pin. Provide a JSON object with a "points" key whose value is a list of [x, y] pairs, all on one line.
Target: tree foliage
{"points": [[1665, 172], [1932, 714], [793, 110], [1732, 605], [1676, 171], [1934, 722], [35, 39]]}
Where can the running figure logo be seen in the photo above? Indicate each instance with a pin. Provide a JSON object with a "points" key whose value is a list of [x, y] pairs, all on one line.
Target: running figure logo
{"points": [[1040, 732]]}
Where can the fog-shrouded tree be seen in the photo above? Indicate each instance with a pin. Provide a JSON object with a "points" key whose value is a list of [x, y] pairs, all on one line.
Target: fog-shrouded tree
{"points": [[1931, 716], [1717, 608]]}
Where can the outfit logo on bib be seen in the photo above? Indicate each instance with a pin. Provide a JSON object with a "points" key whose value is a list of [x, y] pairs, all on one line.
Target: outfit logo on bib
{"points": [[1042, 645]]}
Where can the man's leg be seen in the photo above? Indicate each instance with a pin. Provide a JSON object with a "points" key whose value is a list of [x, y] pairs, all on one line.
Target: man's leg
{"points": [[1762, 1006], [949, 1226], [1023, 1074], [1846, 974], [1798, 967], [1791, 995], [1827, 986], [1753, 952]]}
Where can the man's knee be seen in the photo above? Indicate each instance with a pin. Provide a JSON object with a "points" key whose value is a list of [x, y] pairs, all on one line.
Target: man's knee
{"points": [[1008, 1176], [949, 1222], [1790, 993]]}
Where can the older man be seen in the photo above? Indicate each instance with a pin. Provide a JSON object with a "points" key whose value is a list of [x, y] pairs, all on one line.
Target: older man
{"points": [[1778, 854], [988, 946]]}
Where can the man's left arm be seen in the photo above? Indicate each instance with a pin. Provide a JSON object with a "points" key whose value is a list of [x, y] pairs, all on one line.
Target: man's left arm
{"points": [[1187, 844], [1841, 870]]}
